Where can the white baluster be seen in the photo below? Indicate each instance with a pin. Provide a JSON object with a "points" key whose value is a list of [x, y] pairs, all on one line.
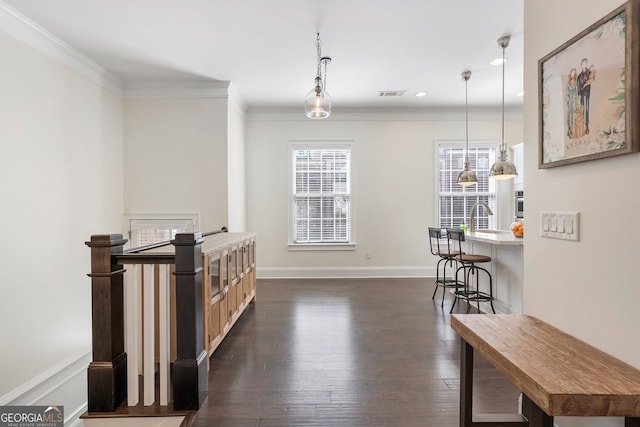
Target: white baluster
{"points": [[132, 330], [149, 332], [164, 333]]}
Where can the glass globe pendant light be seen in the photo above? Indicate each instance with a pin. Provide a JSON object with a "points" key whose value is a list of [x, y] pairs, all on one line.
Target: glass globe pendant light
{"points": [[317, 103], [503, 168], [467, 177]]}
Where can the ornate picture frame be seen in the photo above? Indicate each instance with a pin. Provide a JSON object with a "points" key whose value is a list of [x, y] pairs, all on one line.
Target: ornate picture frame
{"points": [[588, 92]]}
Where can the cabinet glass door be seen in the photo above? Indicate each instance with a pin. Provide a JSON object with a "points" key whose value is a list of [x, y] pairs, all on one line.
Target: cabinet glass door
{"points": [[223, 270], [214, 268], [234, 264]]}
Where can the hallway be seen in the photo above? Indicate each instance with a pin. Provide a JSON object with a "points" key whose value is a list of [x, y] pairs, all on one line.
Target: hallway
{"points": [[349, 352]]}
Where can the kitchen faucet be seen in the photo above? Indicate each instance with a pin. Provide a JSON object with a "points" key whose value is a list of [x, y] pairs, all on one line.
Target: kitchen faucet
{"points": [[472, 217]]}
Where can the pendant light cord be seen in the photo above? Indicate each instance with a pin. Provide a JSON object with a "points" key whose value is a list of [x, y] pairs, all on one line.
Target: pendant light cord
{"points": [[324, 80], [466, 117], [502, 146], [502, 168], [319, 53]]}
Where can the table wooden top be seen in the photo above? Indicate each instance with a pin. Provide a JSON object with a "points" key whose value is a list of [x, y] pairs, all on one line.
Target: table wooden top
{"points": [[560, 373]]}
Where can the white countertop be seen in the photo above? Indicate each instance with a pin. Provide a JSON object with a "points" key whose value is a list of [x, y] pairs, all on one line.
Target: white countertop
{"points": [[494, 237]]}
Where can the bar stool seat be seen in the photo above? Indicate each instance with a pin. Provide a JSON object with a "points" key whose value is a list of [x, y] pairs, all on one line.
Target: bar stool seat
{"points": [[471, 258], [447, 257], [468, 265]]}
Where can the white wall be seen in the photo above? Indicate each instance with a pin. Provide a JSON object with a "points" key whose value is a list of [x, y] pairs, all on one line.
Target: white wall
{"points": [[236, 169], [61, 181], [394, 189], [175, 157], [589, 288]]}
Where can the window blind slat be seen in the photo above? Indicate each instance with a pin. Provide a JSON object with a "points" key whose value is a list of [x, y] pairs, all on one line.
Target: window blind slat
{"points": [[455, 200], [321, 199]]}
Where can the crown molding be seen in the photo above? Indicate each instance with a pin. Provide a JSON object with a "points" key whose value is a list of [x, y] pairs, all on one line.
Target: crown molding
{"points": [[33, 35], [386, 114], [186, 89], [176, 89], [236, 100]]}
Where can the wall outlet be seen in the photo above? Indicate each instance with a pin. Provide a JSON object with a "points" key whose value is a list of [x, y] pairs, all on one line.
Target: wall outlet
{"points": [[367, 254], [560, 225]]}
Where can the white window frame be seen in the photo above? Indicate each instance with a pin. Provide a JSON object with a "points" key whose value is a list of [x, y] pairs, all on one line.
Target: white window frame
{"points": [[493, 220], [320, 144]]}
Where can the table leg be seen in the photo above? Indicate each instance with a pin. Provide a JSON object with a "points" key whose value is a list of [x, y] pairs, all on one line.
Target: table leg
{"points": [[466, 399], [536, 416], [466, 384]]}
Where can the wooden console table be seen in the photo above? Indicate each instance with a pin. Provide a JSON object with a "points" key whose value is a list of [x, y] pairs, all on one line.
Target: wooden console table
{"points": [[558, 374]]}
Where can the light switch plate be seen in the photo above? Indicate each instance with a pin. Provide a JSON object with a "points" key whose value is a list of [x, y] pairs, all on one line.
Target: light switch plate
{"points": [[560, 225]]}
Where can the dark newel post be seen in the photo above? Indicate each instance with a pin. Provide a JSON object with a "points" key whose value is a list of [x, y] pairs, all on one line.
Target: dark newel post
{"points": [[189, 375], [107, 373]]}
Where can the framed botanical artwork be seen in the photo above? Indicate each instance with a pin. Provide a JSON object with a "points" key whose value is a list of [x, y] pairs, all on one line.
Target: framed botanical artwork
{"points": [[588, 92]]}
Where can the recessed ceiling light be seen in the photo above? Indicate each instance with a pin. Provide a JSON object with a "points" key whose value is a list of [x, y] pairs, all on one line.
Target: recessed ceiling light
{"points": [[421, 94], [521, 93], [498, 61]]}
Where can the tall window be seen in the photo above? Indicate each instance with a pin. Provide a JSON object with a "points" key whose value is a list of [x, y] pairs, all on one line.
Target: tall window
{"points": [[321, 196], [455, 201]]}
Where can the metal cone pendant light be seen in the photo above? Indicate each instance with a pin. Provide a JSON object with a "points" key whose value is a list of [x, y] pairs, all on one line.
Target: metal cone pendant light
{"points": [[503, 168], [467, 177]]}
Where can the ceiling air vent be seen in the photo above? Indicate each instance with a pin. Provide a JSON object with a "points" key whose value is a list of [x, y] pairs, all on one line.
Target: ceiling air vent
{"points": [[387, 93]]}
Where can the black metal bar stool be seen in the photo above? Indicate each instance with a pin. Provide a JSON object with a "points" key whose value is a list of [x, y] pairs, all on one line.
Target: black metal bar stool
{"points": [[447, 257], [468, 266]]}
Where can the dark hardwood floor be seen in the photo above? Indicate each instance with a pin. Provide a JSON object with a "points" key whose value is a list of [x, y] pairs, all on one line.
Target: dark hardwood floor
{"points": [[345, 353]]}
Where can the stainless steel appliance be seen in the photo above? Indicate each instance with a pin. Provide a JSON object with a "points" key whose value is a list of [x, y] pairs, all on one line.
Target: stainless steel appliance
{"points": [[519, 204]]}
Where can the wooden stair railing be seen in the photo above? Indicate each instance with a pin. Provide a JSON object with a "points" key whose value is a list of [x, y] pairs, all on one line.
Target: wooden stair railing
{"points": [[108, 383], [190, 380], [107, 373]]}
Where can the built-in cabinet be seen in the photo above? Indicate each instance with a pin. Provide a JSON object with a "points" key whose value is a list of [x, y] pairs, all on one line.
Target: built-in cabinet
{"points": [[229, 283]]}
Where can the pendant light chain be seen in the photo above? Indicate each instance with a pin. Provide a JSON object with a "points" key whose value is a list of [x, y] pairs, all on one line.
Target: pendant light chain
{"points": [[319, 53]]}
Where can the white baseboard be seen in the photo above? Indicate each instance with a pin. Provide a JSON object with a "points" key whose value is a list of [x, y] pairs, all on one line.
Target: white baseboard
{"points": [[344, 272], [63, 384]]}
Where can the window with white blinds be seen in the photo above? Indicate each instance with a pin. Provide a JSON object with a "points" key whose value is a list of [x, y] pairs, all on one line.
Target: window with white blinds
{"points": [[146, 231], [321, 196], [455, 201]]}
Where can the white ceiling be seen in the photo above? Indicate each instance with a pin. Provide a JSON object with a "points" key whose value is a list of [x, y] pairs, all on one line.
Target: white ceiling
{"points": [[266, 48]]}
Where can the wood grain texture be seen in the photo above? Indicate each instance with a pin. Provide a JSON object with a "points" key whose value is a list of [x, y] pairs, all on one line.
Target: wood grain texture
{"points": [[558, 372], [356, 352]]}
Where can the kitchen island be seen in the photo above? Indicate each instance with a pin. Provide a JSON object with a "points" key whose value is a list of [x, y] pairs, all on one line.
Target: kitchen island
{"points": [[506, 252]]}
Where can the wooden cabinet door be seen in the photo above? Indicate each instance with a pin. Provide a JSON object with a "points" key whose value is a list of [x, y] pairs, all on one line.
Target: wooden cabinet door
{"points": [[215, 331]]}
